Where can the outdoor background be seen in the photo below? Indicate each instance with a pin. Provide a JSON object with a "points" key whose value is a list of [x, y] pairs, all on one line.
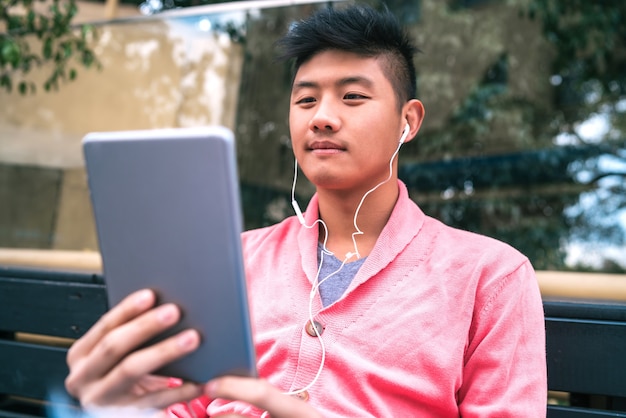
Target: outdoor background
{"points": [[524, 137]]}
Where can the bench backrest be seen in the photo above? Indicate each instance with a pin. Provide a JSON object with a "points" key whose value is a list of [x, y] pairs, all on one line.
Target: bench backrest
{"points": [[42, 312], [586, 357]]}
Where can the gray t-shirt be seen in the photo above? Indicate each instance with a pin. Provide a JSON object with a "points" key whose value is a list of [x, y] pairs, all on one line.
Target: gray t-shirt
{"points": [[341, 277]]}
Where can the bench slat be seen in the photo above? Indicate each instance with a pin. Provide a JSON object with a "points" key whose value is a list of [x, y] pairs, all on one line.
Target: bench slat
{"points": [[55, 306], [571, 412], [586, 356], [32, 370], [20, 408], [23, 412], [584, 309]]}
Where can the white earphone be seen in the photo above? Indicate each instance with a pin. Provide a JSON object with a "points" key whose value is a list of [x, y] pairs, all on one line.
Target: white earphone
{"points": [[296, 209], [349, 255], [294, 203], [405, 133]]}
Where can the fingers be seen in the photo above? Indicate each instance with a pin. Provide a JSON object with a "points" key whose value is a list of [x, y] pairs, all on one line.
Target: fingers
{"points": [[80, 358], [145, 361], [261, 394], [152, 383], [167, 397], [116, 345], [106, 368], [133, 305], [120, 340], [126, 384]]}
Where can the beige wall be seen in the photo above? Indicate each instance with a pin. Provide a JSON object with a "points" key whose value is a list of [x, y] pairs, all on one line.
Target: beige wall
{"points": [[154, 74]]}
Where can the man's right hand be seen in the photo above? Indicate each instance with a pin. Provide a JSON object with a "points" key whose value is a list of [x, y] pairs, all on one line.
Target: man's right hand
{"points": [[107, 370]]}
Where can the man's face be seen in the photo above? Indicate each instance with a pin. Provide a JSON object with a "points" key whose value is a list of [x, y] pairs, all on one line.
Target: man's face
{"points": [[344, 121]]}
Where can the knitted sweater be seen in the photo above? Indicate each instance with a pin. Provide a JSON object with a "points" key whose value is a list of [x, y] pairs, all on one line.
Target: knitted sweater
{"points": [[438, 322]]}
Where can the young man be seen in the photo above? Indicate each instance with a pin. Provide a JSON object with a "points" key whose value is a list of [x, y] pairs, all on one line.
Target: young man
{"points": [[410, 317]]}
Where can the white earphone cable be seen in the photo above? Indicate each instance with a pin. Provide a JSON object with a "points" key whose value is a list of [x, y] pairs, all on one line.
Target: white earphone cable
{"points": [[325, 251], [358, 209]]}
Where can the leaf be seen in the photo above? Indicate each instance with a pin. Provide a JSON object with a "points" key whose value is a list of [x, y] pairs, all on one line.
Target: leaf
{"points": [[14, 23], [67, 49], [87, 58], [23, 87], [85, 30], [5, 81], [47, 48], [26, 65], [71, 10], [43, 25], [11, 53], [30, 20]]}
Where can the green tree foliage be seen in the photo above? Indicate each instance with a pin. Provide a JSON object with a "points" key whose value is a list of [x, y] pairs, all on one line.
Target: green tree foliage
{"points": [[590, 42], [590, 81], [37, 32], [552, 185]]}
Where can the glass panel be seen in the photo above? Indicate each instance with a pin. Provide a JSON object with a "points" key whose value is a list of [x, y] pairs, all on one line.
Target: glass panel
{"points": [[523, 138]]}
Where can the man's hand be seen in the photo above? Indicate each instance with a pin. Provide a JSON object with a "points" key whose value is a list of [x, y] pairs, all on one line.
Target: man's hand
{"points": [[107, 374], [261, 394], [105, 371]]}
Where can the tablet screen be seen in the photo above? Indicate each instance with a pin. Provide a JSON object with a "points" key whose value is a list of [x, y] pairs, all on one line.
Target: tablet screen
{"points": [[168, 216]]}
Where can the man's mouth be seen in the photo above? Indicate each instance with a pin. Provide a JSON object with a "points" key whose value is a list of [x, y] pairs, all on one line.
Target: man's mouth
{"points": [[326, 146]]}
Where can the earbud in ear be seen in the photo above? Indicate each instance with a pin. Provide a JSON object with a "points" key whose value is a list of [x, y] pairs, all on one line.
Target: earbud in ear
{"points": [[405, 133]]}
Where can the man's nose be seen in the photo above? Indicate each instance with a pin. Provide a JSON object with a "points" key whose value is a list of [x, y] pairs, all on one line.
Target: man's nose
{"points": [[325, 118]]}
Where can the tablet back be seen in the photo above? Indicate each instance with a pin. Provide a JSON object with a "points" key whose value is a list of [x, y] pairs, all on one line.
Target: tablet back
{"points": [[168, 217]]}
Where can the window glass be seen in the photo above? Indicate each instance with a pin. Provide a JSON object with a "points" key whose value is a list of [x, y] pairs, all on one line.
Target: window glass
{"points": [[523, 138]]}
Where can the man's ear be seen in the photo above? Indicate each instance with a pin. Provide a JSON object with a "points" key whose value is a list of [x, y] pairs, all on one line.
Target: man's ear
{"points": [[413, 111]]}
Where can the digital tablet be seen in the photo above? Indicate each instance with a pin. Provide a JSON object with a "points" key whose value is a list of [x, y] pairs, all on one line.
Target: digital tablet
{"points": [[168, 216]]}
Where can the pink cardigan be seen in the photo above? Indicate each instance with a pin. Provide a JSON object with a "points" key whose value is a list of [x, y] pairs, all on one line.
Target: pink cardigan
{"points": [[438, 322]]}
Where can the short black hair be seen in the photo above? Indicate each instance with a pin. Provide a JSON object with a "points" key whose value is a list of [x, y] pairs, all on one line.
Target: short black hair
{"points": [[361, 30]]}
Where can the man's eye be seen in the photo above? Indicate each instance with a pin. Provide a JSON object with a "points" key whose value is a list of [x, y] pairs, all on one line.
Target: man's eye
{"points": [[354, 96], [305, 100]]}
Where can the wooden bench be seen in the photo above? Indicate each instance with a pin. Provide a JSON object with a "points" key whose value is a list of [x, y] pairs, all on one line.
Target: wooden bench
{"points": [[586, 355], [43, 311], [41, 314]]}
